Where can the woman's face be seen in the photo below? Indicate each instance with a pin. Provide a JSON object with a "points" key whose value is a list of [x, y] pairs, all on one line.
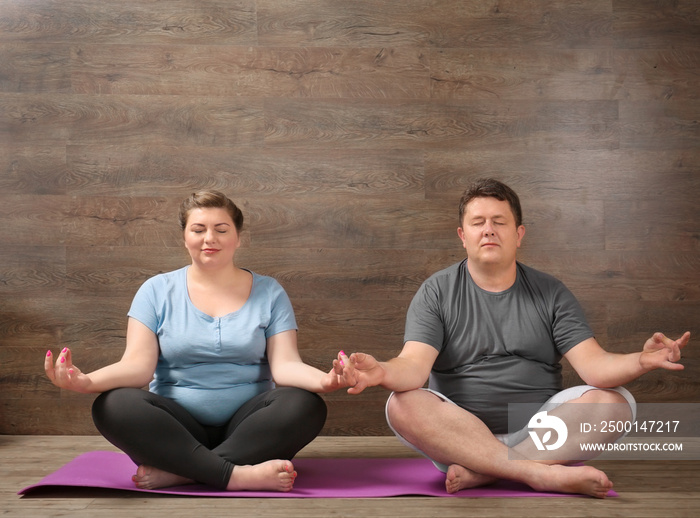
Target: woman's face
{"points": [[211, 237]]}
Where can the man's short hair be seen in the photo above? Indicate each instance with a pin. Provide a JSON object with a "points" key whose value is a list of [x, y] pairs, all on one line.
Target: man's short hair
{"points": [[491, 188]]}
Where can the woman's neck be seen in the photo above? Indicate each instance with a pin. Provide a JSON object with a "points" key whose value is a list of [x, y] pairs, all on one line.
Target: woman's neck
{"points": [[215, 277]]}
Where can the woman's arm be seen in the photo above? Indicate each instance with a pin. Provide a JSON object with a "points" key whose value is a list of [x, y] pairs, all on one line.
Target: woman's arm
{"points": [[289, 370], [135, 369]]}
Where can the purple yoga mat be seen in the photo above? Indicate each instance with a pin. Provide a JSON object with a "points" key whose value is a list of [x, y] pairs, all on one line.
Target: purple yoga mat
{"points": [[317, 478]]}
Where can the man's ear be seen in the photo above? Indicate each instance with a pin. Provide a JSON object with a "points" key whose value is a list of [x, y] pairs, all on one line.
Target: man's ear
{"points": [[521, 234]]}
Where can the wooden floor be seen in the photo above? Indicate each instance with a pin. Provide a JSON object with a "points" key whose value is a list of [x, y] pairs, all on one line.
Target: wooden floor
{"points": [[646, 488]]}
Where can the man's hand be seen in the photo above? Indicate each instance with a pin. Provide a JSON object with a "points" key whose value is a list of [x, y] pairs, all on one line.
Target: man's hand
{"points": [[661, 352], [367, 371]]}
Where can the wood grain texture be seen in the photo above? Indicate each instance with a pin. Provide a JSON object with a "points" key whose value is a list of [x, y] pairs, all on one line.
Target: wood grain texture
{"points": [[655, 74], [132, 120], [659, 125], [650, 24], [649, 227], [494, 75], [134, 21], [251, 71], [33, 169], [39, 217], [35, 67], [437, 23], [449, 124], [346, 130], [109, 170]]}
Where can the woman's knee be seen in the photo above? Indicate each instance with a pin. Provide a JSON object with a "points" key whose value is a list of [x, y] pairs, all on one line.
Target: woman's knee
{"points": [[304, 405], [115, 405]]}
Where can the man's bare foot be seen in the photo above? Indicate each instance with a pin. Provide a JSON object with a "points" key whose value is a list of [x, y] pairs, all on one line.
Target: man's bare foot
{"points": [[273, 475], [148, 477], [585, 480], [458, 478]]}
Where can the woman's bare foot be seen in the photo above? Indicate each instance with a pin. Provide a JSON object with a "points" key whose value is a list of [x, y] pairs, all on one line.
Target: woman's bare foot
{"points": [[458, 478], [148, 477], [585, 480], [273, 475]]}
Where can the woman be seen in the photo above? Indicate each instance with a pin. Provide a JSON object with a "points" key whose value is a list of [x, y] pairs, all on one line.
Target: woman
{"points": [[230, 401]]}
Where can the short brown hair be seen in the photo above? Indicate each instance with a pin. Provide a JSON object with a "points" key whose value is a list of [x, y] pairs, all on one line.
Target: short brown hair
{"points": [[490, 188], [210, 200]]}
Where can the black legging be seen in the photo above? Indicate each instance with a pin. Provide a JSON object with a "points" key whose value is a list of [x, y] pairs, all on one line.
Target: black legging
{"points": [[158, 432]]}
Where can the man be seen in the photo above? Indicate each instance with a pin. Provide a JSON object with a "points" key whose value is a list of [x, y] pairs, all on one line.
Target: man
{"points": [[490, 331]]}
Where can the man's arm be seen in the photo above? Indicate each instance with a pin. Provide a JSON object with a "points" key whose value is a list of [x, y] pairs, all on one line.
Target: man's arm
{"points": [[603, 369], [408, 371]]}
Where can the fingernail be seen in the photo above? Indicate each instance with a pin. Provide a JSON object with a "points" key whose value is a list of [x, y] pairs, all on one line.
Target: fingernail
{"points": [[64, 349], [48, 353], [342, 362], [343, 353], [63, 360]]}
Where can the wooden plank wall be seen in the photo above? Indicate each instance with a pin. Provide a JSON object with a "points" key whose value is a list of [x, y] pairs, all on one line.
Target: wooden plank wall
{"points": [[346, 129]]}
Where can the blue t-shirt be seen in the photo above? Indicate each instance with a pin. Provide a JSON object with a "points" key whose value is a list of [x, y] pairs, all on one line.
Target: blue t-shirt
{"points": [[211, 365]]}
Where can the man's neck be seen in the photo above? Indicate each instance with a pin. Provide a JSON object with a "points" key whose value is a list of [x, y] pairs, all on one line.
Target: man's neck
{"points": [[494, 278]]}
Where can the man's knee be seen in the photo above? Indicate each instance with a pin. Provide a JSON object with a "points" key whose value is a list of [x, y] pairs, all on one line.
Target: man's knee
{"points": [[611, 404], [408, 408]]}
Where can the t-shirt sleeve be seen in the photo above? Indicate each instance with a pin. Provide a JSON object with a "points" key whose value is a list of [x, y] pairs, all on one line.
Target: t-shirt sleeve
{"points": [[570, 326], [281, 312], [424, 321], [143, 306]]}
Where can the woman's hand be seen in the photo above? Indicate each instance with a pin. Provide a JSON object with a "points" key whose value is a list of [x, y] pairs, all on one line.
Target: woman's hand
{"points": [[341, 375], [64, 374]]}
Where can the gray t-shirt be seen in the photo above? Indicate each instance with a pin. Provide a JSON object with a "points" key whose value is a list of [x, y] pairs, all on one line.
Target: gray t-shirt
{"points": [[496, 348]]}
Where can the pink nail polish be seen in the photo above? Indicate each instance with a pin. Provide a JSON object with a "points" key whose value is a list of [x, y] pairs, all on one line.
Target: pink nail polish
{"points": [[343, 353], [63, 360], [48, 353], [65, 349]]}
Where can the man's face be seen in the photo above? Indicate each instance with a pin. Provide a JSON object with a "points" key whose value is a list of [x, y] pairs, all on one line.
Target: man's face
{"points": [[488, 232]]}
